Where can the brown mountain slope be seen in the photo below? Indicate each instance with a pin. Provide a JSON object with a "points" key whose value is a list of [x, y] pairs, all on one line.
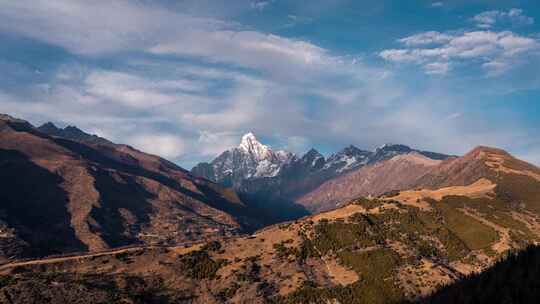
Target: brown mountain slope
{"points": [[416, 171], [462, 170], [60, 196], [399, 172]]}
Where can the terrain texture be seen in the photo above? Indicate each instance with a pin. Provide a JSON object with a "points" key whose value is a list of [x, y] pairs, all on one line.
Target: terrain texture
{"points": [[84, 220], [401, 246]]}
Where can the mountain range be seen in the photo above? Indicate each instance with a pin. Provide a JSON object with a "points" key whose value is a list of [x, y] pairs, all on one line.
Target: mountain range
{"points": [[256, 172], [85, 220]]}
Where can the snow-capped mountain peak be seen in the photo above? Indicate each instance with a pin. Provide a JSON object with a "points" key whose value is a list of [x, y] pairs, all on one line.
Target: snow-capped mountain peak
{"points": [[347, 159], [251, 159], [252, 146], [388, 151]]}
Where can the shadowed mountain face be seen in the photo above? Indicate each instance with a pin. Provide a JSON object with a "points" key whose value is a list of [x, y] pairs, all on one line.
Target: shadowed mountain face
{"points": [[34, 216], [64, 194]]}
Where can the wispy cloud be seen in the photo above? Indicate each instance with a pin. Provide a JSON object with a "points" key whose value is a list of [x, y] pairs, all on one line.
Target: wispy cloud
{"points": [[260, 5], [271, 53], [426, 38], [135, 91], [96, 27], [170, 146], [513, 16], [435, 68], [294, 20], [99, 28]]}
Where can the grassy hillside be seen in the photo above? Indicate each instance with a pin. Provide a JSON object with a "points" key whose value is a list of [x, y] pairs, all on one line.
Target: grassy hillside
{"points": [[371, 251]]}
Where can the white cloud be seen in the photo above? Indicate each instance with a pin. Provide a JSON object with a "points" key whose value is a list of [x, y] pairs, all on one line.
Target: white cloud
{"points": [[437, 68], [119, 87], [213, 143], [398, 55], [426, 38], [283, 58], [165, 145], [136, 91], [437, 4], [495, 51], [454, 115], [189, 130], [101, 27], [94, 27], [434, 51], [514, 16]]}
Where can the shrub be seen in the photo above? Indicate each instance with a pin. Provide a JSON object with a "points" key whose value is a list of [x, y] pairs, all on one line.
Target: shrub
{"points": [[199, 265]]}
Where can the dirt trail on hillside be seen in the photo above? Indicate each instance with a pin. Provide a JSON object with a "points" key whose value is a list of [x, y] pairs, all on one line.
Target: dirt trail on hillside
{"points": [[52, 260]]}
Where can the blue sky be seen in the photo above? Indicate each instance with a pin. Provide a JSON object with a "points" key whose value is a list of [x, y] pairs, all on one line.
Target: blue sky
{"points": [[185, 79]]}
